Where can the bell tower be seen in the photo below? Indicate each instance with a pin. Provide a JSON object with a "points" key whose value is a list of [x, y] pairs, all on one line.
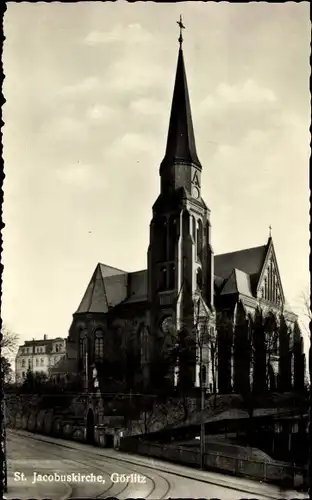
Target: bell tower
{"points": [[180, 257]]}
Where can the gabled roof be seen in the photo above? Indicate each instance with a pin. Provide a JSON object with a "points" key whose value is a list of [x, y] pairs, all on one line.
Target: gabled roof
{"points": [[108, 287], [238, 282], [250, 261], [181, 139]]}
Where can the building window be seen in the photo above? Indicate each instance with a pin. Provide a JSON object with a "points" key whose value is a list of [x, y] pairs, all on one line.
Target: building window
{"points": [[29, 362], [42, 361], [163, 279], [98, 345], [199, 239], [81, 344], [194, 228], [172, 232], [37, 362], [23, 374], [203, 374], [56, 348], [171, 276], [23, 362], [199, 279], [161, 238]]}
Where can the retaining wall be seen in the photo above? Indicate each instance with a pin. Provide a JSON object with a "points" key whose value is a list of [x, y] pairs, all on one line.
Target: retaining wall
{"points": [[272, 472]]}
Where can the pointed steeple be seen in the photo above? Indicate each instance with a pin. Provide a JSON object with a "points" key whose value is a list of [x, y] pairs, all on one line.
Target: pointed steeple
{"points": [[181, 146]]}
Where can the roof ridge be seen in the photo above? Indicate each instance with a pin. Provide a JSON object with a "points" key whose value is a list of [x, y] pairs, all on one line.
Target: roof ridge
{"points": [[112, 267], [241, 250]]}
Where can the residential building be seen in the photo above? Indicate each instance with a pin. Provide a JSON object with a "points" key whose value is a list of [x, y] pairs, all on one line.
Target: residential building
{"points": [[39, 356]]}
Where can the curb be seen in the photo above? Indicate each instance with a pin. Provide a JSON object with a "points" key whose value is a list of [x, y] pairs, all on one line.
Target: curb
{"points": [[223, 483]]}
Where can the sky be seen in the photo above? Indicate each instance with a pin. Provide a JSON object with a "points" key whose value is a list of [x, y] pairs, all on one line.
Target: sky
{"points": [[88, 91]]}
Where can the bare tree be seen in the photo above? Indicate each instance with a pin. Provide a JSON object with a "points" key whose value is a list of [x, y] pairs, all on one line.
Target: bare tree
{"points": [[9, 345], [9, 342]]}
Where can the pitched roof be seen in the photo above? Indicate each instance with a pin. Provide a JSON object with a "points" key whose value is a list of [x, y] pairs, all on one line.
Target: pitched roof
{"points": [[107, 287], [181, 139], [250, 261], [238, 282], [235, 272]]}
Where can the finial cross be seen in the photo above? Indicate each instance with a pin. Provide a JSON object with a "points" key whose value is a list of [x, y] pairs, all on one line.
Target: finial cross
{"points": [[182, 27], [270, 230]]}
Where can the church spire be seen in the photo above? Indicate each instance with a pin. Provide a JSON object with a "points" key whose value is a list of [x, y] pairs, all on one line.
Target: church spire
{"points": [[181, 146]]}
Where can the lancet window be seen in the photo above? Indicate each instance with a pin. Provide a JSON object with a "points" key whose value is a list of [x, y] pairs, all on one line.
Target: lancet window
{"points": [[98, 345]]}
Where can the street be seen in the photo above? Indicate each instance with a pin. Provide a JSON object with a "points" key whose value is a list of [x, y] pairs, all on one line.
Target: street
{"points": [[40, 466]]}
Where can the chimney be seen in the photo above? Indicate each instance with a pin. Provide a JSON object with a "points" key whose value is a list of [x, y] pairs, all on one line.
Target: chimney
{"points": [[44, 337]]}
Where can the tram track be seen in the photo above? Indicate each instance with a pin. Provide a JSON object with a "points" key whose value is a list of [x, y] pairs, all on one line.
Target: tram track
{"points": [[177, 474], [107, 462]]}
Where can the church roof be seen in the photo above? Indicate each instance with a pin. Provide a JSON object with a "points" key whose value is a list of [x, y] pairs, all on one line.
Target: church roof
{"points": [[181, 139], [235, 273], [238, 282], [107, 288], [250, 261]]}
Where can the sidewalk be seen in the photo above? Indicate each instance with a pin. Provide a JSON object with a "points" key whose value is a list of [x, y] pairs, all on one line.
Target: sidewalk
{"points": [[22, 462], [23, 491]]}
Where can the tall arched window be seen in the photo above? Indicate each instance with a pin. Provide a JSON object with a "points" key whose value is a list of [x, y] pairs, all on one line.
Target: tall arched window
{"points": [[199, 239], [171, 283], [98, 345], [194, 228], [265, 288], [172, 231], [163, 278], [82, 337], [203, 374], [199, 279], [185, 222], [161, 238]]}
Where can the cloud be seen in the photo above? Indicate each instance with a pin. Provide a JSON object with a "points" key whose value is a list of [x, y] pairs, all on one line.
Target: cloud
{"points": [[148, 106], [78, 175], [99, 113], [87, 85], [129, 143], [131, 74], [248, 93], [61, 127], [133, 33]]}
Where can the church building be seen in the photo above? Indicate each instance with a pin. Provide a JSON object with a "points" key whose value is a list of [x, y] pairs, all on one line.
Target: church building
{"points": [[191, 316]]}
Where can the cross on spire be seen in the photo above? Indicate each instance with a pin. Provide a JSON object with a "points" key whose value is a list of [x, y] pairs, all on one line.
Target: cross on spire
{"points": [[182, 27], [270, 231]]}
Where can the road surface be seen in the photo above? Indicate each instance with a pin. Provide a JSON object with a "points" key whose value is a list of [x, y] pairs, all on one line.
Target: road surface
{"points": [[43, 467]]}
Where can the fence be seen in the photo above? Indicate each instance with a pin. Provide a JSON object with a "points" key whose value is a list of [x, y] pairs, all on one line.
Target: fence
{"points": [[285, 475]]}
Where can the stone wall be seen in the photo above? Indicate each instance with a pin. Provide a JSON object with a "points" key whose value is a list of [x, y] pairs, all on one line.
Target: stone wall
{"points": [[272, 472]]}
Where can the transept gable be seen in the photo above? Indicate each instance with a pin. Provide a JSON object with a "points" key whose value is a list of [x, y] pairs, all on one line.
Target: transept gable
{"points": [[107, 288], [269, 287]]}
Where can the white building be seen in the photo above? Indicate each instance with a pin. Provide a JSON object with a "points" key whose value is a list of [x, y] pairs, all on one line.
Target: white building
{"points": [[38, 356]]}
